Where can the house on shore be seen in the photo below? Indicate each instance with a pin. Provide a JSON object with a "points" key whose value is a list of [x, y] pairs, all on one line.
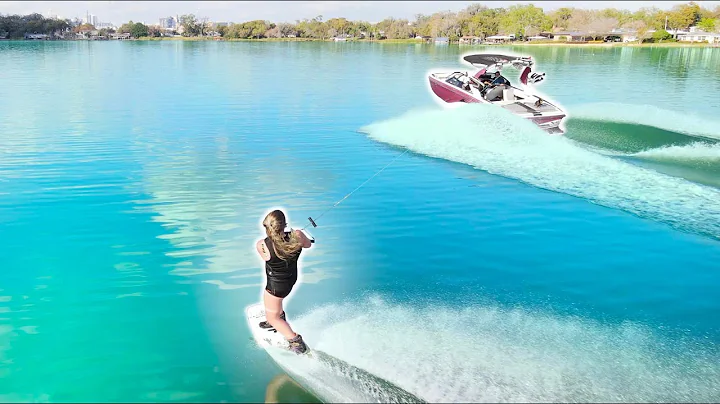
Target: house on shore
{"points": [[37, 37], [570, 36], [470, 40], [96, 36], [696, 35], [676, 32], [500, 38], [120, 37], [538, 38], [619, 35], [442, 40], [700, 36]]}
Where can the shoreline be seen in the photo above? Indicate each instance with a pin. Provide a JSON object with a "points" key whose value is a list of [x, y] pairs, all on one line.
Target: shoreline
{"points": [[419, 42], [407, 41]]}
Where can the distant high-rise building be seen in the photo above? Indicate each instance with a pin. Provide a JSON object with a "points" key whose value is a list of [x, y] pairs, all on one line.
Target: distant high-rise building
{"points": [[90, 19], [168, 23]]}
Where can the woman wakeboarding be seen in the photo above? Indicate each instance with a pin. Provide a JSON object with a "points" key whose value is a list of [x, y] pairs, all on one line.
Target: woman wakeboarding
{"points": [[281, 250]]}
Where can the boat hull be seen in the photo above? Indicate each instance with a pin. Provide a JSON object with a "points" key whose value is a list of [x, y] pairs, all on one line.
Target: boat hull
{"points": [[548, 121], [450, 93]]}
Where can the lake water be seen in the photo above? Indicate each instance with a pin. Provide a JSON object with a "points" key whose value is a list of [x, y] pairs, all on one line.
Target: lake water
{"points": [[489, 262]]}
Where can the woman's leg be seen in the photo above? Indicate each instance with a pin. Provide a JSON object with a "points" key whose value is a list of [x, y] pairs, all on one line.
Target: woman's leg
{"points": [[273, 309]]}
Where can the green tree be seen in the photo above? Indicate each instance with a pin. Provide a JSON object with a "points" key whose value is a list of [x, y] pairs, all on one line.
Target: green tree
{"points": [[395, 29], [139, 30], [340, 25], [684, 16], [255, 29], [126, 28], [652, 17], [312, 28], [286, 29], [190, 25], [661, 35], [525, 20], [484, 23], [359, 27], [444, 24], [707, 24], [422, 25], [16, 26], [154, 32], [561, 16]]}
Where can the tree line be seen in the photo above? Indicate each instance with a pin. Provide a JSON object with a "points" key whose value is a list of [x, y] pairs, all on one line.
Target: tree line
{"points": [[475, 20], [17, 26]]}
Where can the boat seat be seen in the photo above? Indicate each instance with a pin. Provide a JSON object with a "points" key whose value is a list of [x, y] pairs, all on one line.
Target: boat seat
{"points": [[493, 93], [509, 94]]}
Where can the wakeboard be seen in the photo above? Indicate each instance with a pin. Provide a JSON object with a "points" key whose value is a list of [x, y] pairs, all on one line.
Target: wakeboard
{"points": [[322, 374], [267, 338]]}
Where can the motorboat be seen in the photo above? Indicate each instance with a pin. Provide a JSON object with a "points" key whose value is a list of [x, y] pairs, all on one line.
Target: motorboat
{"points": [[478, 87]]}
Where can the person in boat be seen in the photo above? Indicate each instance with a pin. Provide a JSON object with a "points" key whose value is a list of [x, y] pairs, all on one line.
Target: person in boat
{"points": [[464, 82], [280, 250], [498, 79], [493, 89]]}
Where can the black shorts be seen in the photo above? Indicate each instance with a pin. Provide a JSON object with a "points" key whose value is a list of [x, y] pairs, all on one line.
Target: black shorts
{"points": [[279, 289]]}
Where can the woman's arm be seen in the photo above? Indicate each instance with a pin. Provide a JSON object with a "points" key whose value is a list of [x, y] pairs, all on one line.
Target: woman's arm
{"points": [[262, 250], [306, 243]]}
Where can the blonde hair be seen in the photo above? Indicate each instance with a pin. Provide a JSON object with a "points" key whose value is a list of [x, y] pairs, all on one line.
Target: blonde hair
{"points": [[275, 224]]}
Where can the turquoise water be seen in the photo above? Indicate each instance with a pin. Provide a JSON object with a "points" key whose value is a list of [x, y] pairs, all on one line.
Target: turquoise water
{"points": [[498, 263]]}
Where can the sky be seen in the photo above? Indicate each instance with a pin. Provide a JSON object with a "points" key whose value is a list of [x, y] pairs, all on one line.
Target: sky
{"points": [[149, 12]]}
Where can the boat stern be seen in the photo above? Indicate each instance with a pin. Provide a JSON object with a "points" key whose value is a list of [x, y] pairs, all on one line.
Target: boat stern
{"points": [[550, 124]]}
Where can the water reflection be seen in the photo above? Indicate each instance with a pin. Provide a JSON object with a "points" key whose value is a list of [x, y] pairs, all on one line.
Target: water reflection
{"points": [[283, 389], [211, 196]]}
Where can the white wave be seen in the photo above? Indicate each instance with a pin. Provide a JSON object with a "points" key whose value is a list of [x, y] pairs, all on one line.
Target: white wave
{"points": [[649, 115], [494, 140], [337, 381], [699, 152], [488, 354]]}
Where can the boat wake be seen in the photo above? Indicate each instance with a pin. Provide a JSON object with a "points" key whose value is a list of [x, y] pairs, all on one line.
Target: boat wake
{"points": [[698, 154], [498, 142], [337, 381], [687, 147], [489, 354], [650, 116]]}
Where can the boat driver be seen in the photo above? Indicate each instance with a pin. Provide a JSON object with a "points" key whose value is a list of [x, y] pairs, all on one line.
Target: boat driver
{"points": [[499, 79]]}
